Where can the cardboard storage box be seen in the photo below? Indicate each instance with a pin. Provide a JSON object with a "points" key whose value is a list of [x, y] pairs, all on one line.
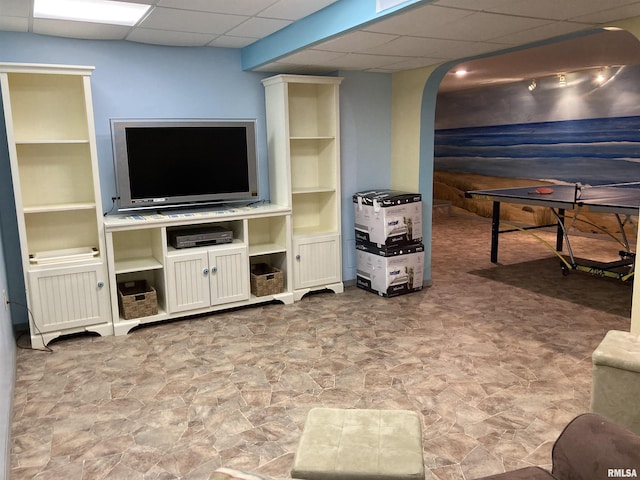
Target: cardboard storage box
{"points": [[266, 280], [137, 299], [389, 271], [388, 217]]}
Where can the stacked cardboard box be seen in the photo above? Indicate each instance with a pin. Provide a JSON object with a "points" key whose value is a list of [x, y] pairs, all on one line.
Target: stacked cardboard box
{"points": [[389, 249]]}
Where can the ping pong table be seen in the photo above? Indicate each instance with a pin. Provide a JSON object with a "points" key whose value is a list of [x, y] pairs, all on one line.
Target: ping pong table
{"points": [[621, 200]]}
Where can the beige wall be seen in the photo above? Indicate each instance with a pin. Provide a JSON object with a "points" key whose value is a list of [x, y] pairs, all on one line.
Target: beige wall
{"points": [[407, 88]]}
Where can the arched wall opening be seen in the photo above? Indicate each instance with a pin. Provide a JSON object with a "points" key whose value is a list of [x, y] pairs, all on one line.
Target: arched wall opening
{"points": [[414, 100]]}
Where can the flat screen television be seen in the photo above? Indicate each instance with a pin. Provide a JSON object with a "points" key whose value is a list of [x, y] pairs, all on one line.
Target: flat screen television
{"points": [[183, 162]]}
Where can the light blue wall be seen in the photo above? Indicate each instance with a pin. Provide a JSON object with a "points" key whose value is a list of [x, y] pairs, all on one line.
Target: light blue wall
{"points": [[7, 368], [365, 147], [7, 343]]}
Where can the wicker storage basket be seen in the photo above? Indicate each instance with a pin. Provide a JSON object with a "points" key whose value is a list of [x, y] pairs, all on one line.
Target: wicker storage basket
{"points": [[137, 299], [266, 280]]}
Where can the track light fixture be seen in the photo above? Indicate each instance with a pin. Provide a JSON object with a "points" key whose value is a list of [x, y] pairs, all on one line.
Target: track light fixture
{"points": [[563, 81], [532, 86]]}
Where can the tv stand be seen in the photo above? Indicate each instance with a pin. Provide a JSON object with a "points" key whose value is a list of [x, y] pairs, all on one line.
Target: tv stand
{"points": [[218, 276]]}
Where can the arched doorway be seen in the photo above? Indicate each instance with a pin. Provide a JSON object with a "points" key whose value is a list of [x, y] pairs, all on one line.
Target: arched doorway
{"points": [[429, 95]]}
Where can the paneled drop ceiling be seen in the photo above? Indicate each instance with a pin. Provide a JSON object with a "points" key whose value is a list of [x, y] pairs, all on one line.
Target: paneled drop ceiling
{"points": [[424, 33]]}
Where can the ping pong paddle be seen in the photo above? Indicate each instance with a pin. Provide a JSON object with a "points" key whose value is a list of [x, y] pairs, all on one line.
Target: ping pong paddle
{"points": [[544, 190]]}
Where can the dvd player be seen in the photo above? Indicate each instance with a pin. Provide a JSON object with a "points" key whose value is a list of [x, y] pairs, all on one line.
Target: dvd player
{"points": [[197, 237]]}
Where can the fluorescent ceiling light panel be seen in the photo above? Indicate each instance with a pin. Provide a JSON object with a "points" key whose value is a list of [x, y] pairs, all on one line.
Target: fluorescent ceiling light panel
{"points": [[96, 11]]}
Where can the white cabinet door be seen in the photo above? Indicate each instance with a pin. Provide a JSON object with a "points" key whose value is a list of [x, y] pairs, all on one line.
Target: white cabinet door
{"points": [[317, 260], [69, 297], [229, 274], [199, 278], [188, 280]]}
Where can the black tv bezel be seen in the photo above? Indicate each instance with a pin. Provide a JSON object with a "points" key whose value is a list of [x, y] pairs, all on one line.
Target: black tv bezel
{"points": [[125, 202]]}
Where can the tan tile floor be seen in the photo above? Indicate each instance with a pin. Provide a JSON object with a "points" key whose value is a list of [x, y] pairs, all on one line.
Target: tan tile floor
{"points": [[497, 358]]}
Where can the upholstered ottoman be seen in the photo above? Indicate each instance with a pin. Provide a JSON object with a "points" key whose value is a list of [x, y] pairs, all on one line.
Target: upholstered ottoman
{"points": [[616, 379], [360, 444]]}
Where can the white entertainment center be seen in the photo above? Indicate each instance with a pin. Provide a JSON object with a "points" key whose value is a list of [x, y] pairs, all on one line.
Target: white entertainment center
{"points": [[200, 279], [75, 259]]}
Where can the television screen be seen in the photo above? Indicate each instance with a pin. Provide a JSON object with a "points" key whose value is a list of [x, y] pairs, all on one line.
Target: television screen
{"points": [[167, 163]]}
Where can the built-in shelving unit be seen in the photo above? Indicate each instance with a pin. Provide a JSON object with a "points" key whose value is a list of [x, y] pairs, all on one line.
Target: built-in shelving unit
{"points": [[304, 171], [200, 279], [75, 260], [50, 132]]}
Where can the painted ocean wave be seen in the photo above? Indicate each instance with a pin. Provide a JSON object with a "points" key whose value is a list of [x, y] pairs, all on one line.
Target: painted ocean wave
{"points": [[587, 171], [534, 138], [594, 151], [598, 130], [612, 149]]}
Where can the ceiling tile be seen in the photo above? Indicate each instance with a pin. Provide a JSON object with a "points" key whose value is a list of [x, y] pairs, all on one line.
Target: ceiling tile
{"points": [[358, 61], [244, 7], [425, 33], [227, 41], [14, 8], [258, 27], [485, 26], [405, 47], [611, 14], [294, 9], [554, 9], [433, 48], [410, 64], [176, 39], [190, 21], [419, 21], [84, 30], [14, 24], [474, 4], [550, 30], [453, 50], [356, 42], [311, 57]]}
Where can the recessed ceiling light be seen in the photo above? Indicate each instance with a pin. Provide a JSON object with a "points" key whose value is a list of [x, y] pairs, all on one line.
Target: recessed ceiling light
{"points": [[461, 72], [96, 11]]}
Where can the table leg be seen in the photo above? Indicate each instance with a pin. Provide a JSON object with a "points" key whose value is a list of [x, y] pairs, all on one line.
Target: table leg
{"points": [[495, 231], [560, 232]]}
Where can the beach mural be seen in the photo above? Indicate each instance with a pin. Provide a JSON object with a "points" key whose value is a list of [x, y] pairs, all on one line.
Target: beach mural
{"points": [[580, 132]]}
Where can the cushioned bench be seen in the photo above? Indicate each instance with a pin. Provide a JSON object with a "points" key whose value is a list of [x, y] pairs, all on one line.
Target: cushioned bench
{"points": [[616, 379], [360, 444]]}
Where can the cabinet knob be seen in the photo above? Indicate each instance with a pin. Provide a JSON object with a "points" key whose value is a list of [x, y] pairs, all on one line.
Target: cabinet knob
{"points": [[205, 271], [214, 269], [297, 257], [100, 284]]}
